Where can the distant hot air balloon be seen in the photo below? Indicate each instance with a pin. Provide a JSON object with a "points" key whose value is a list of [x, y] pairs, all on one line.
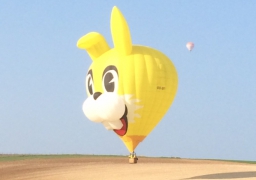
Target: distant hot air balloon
{"points": [[190, 46], [130, 88]]}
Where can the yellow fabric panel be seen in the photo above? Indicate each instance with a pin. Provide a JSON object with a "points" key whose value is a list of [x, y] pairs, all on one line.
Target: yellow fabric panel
{"points": [[151, 83]]}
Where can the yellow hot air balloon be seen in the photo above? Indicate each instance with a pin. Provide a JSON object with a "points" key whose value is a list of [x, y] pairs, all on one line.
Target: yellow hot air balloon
{"points": [[129, 87]]}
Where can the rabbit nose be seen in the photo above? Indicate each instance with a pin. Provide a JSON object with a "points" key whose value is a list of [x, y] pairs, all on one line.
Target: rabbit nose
{"points": [[96, 95]]}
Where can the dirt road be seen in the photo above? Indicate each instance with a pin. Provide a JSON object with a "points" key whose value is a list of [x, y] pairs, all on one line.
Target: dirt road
{"points": [[118, 168]]}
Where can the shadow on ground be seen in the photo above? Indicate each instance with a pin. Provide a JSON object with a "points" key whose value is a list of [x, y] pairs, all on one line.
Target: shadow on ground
{"points": [[231, 175]]}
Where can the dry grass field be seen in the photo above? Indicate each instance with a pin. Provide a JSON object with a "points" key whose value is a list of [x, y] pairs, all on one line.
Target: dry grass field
{"points": [[118, 168]]}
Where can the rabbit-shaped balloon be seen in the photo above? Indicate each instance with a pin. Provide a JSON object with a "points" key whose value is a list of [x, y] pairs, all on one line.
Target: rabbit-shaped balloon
{"points": [[129, 87]]}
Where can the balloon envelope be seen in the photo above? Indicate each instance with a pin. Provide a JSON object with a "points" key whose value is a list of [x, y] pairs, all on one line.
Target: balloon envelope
{"points": [[130, 88], [190, 46]]}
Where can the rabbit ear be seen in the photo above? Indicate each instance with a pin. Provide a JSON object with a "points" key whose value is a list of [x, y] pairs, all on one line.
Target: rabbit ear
{"points": [[120, 32], [94, 43]]}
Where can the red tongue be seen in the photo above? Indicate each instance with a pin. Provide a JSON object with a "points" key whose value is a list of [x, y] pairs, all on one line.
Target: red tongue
{"points": [[121, 131]]}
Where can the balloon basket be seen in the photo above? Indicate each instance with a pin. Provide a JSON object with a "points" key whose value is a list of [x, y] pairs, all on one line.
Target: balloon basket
{"points": [[133, 160]]}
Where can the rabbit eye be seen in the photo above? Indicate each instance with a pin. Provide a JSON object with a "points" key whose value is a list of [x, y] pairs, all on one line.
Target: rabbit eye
{"points": [[89, 83], [110, 79]]}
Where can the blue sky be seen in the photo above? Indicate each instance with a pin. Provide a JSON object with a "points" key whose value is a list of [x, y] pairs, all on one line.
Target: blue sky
{"points": [[42, 75]]}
